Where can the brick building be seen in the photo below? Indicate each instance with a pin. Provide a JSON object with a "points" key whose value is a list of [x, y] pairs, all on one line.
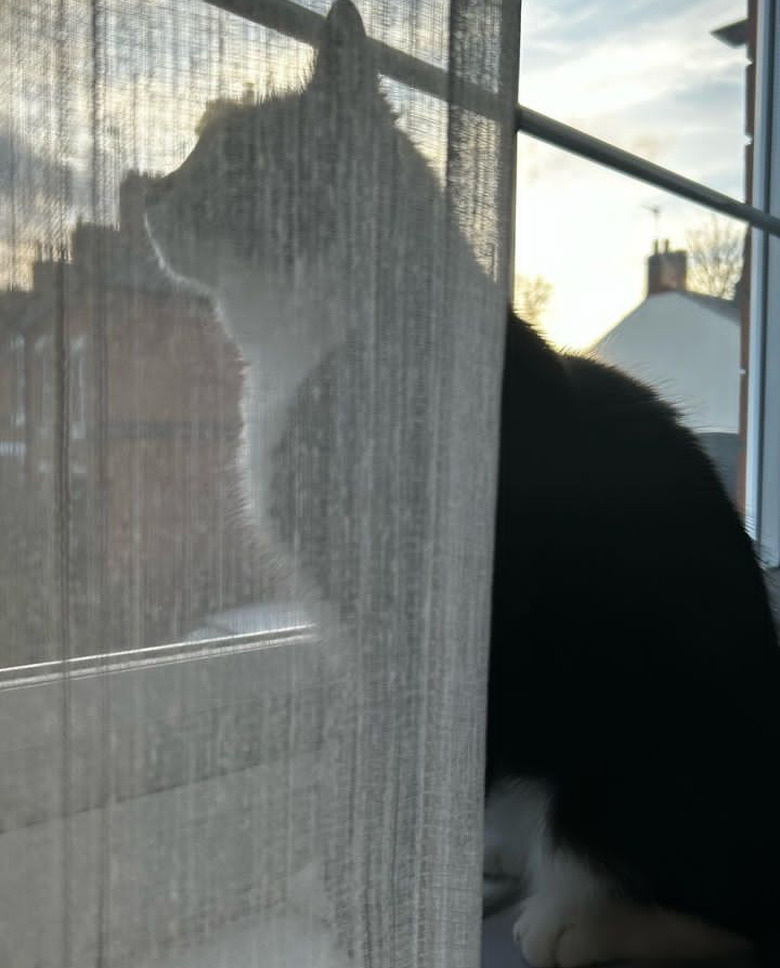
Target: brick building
{"points": [[148, 387]]}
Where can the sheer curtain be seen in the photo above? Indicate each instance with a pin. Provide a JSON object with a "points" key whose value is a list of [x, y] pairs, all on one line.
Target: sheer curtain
{"points": [[253, 263]]}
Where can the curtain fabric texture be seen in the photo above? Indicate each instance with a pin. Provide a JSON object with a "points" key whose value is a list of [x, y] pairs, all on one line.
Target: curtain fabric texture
{"points": [[252, 299]]}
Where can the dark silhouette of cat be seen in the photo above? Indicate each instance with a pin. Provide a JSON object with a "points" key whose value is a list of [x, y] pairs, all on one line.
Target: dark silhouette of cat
{"points": [[634, 674], [632, 726]]}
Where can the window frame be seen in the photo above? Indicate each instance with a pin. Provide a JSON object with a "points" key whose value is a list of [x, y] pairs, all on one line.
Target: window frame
{"points": [[762, 488], [762, 217]]}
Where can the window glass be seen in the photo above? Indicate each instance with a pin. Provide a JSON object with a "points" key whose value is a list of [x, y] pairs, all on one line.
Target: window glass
{"points": [[663, 80], [642, 280]]}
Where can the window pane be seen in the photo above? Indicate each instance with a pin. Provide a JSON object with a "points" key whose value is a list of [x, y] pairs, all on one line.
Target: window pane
{"points": [[649, 77], [643, 280]]}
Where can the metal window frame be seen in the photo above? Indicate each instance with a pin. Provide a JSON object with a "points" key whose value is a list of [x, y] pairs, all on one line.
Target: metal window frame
{"points": [[762, 489], [92, 666], [586, 146]]}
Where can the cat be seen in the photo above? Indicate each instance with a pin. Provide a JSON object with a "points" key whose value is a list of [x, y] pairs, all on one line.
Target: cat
{"points": [[633, 724], [634, 672]]}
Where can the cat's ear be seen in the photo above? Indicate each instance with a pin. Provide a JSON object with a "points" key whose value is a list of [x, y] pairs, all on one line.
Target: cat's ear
{"points": [[345, 62]]}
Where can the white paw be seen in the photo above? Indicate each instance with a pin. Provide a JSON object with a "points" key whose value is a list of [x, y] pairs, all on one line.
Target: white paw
{"points": [[553, 932], [537, 930], [552, 936]]}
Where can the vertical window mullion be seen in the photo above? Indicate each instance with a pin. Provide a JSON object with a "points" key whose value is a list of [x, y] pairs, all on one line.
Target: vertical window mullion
{"points": [[762, 492]]}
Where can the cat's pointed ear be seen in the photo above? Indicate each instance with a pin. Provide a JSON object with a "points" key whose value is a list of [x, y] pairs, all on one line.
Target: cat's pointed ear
{"points": [[344, 60]]}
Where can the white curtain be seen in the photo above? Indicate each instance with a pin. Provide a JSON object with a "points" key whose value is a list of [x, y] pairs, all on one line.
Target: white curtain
{"points": [[248, 426]]}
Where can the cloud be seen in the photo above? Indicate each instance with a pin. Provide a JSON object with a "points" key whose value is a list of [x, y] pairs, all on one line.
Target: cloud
{"points": [[645, 76], [624, 72]]}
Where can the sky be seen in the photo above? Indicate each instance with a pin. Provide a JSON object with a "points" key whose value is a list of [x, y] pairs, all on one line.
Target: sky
{"points": [[648, 76]]}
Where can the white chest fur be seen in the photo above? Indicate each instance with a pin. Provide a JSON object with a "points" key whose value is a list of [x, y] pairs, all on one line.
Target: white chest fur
{"points": [[284, 327]]}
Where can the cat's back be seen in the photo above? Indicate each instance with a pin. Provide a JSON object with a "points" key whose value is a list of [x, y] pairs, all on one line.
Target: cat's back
{"points": [[624, 483], [653, 500], [625, 586]]}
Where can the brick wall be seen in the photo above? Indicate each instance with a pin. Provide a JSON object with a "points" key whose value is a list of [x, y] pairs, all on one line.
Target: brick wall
{"points": [[157, 539]]}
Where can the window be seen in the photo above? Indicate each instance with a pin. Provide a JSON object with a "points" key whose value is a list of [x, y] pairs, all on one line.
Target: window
{"points": [[199, 735], [682, 295], [687, 219]]}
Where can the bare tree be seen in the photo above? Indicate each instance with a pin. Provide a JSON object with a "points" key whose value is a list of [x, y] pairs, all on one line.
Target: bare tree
{"points": [[532, 296], [715, 258]]}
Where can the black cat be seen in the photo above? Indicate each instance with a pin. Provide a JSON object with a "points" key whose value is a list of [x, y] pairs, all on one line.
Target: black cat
{"points": [[634, 724], [633, 727]]}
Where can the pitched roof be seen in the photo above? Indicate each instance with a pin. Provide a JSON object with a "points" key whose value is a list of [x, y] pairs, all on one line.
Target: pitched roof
{"points": [[686, 346]]}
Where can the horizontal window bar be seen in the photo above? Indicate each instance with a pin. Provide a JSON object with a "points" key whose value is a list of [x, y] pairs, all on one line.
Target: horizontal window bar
{"points": [[305, 25], [593, 149], [37, 673]]}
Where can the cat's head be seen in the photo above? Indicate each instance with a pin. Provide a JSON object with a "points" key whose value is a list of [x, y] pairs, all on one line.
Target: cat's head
{"points": [[271, 183]]}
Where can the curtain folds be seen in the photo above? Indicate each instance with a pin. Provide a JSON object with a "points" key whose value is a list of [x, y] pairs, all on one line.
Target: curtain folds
{"points": [[252, 298]]}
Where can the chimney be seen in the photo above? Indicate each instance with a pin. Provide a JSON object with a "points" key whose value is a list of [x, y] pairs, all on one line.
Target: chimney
{"points": [[666, 270]]}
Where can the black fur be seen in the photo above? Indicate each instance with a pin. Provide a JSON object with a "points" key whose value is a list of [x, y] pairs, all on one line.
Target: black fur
{"points": [[634, 661]]}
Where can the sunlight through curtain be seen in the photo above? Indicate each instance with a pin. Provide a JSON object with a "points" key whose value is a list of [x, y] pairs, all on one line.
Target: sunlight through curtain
{"points": [[253, 265]]}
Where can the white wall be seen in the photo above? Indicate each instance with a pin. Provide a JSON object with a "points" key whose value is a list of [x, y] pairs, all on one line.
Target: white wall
{"points": [[688, 352]]}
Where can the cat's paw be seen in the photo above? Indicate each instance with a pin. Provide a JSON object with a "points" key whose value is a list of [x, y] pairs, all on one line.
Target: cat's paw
{"points": [[553, 936], [539, 927]]}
